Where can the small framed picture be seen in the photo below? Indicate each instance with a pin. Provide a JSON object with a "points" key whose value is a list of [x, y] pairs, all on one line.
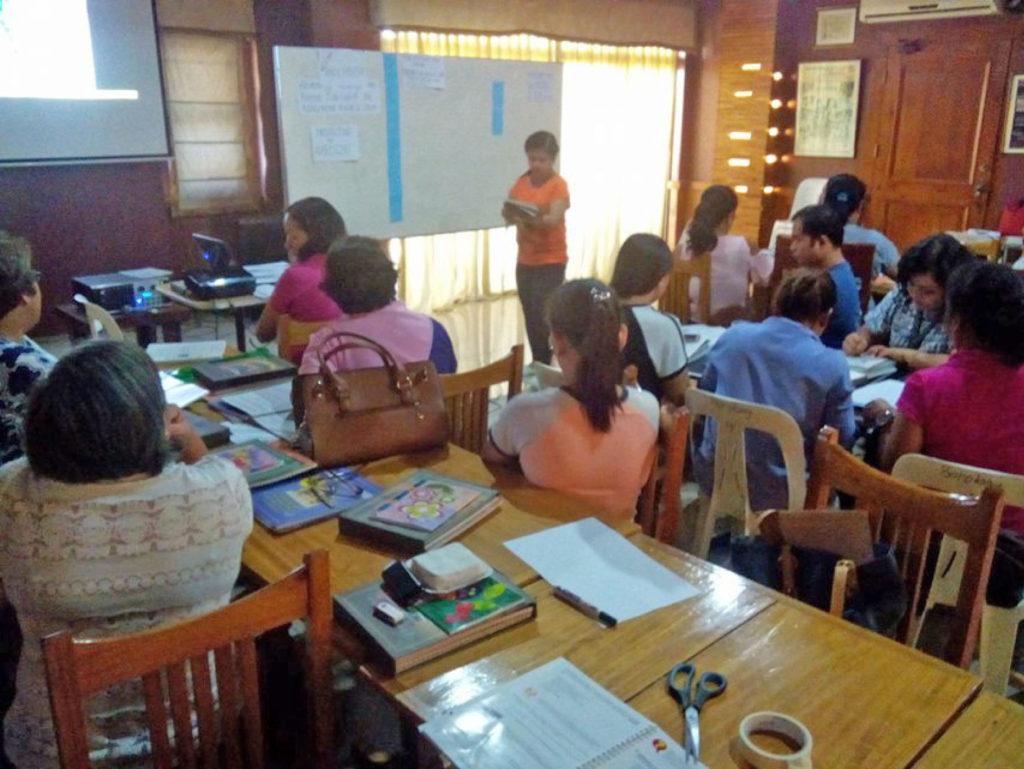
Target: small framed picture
{"points": [[836, 26], [1013, 140]]}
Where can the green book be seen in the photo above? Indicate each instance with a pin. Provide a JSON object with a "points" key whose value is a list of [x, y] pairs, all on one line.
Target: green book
{"points": [[418, 638], [261, 463]]}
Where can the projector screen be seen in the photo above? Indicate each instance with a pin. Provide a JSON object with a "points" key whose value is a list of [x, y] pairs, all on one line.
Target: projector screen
{"points": [[79, 81]]}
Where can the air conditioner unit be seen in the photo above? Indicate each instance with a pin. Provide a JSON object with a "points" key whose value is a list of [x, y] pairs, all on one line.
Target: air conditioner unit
{"points": [[877, 11]]}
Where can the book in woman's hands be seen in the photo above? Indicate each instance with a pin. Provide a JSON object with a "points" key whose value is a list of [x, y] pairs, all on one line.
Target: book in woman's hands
{"points": [[424, 511], [523, 207]]}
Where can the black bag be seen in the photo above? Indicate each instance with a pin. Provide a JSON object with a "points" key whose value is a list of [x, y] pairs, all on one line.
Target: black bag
{"points": [[879, 604], [1006, 581]]}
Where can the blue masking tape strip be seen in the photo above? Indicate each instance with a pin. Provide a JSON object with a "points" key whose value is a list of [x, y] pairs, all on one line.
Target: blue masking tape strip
{"points": [[498, 107], [394, 136]]}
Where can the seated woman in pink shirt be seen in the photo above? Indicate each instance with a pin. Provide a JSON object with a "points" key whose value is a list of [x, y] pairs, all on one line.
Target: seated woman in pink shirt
{"points": [[310, 226], [970, 409], [361, 278], [592, 438], [733, 263]]}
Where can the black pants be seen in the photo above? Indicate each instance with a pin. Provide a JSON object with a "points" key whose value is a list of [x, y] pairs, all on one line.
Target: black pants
{"points": [[535, 285]]}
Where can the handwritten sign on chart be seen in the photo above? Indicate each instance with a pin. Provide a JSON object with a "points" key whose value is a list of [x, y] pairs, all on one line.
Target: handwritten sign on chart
{"points": [[540, 87], [337, 64], [354, 96], [423, 71], [335, 143]]}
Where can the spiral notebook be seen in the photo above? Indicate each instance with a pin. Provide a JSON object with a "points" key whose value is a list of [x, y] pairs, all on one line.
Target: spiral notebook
{"points": [[554, 717]]}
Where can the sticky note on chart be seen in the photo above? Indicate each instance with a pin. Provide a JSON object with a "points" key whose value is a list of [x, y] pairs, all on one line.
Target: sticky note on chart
{"points": [[423, 71], [335, 144]]}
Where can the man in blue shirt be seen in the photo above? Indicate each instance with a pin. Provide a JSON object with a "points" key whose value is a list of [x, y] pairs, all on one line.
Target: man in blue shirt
{"points": [[780, 362], [817, 243]]}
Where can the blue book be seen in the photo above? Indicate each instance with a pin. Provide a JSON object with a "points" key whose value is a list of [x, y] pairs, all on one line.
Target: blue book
{"points": [[297, 502]]}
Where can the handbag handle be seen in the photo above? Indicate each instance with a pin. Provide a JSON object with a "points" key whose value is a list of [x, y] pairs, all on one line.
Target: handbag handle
{"points": [[339, 387]]}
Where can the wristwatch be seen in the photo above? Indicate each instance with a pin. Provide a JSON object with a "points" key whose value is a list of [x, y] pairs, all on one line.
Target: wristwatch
{"points": [[883, 420]]}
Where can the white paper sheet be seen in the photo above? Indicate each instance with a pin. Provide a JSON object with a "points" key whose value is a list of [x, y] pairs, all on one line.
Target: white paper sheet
{"points": [[266, 274], [888, 389], [540, 87], [176, 352], [261, 401], [242, 432], [335, 143], [178, 393], [280, 424], [352, 96], [603, 568], [423, 71]]}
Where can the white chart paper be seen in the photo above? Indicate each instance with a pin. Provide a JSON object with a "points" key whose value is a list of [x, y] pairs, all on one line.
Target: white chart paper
{"points": [[335, 143], [423, 71], [603, 568], [888, 389]]}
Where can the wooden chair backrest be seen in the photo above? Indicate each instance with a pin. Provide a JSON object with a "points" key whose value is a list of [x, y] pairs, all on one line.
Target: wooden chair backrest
{"points": [[904, 515], [861, 257], [733, 417], [467, 397], [660, 505], [167, 658], [676, 299], [293, 336]]}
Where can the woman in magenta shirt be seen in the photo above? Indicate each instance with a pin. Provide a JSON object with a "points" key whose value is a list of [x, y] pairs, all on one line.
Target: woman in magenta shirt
{"points": [[310, 226], [971, 409]]}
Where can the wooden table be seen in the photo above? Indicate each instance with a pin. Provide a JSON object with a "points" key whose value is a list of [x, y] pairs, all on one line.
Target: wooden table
{"points": [[988, 735], [167, 317], [355, 562], [237, 306]]}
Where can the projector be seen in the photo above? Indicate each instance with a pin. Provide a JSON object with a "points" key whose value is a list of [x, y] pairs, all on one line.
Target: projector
{"points": [[128, 290], [224, 284]]}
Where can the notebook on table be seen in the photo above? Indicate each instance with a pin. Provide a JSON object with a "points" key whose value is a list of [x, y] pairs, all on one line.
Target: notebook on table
{"points": [[297, 502]]}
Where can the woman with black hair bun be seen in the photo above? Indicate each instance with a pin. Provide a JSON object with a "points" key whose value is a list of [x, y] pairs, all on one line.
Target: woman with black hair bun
{"points": [[592, 438], [846, 194], [733, 261], [970, 409]]}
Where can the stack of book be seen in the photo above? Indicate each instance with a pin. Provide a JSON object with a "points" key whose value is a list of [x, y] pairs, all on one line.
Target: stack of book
{"points": [[424, 511], [435, 625], [262, 463]]}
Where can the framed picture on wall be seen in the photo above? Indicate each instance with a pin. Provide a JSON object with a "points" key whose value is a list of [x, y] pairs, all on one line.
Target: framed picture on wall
{"points": [[827, 98], [1014, 131], [836, 26]]}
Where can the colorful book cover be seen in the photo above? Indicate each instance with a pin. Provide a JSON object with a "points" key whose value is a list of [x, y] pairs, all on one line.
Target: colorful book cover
{"points": [[240, 371], [261, 463], [426, 504], [470, 605], [299, 501]]}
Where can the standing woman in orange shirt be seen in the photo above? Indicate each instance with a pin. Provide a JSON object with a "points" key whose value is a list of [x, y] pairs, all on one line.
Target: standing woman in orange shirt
{"points": [[540, 268]]}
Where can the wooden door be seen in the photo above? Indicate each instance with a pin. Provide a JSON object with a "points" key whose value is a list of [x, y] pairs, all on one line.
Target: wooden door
{"points": [[936, 140]]}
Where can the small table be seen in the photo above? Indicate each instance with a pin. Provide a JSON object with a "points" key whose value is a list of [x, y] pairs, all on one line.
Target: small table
{"points": [[236, 305], [168, 317]]}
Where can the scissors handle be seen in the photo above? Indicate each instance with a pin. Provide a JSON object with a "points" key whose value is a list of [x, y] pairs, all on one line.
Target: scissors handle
{"points": [[680, 683], [709, 686]]}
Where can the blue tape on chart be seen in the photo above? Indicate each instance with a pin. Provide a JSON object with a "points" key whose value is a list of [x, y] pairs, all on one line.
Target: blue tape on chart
{"points": [[394, 136], [498, 107]]}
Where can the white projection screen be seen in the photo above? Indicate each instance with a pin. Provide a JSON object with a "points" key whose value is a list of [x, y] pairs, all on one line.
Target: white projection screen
{"points": [[80, 82]]}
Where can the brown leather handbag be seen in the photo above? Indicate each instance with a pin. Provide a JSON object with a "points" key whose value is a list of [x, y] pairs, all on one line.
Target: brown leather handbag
{"points": [[362, 414]]}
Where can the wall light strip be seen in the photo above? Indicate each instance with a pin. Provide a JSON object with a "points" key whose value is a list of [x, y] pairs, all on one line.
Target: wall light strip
{"points": [[742, 189], [743, 94], [751, 67], [739, 162], [741, 136]]}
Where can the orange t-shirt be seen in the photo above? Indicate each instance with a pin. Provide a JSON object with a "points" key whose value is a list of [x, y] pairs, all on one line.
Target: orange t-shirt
{"points": [[536, 245]]}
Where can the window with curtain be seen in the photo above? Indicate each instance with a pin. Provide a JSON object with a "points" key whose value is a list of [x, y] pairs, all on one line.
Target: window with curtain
{"points": [[616, 138], [209, 94]]}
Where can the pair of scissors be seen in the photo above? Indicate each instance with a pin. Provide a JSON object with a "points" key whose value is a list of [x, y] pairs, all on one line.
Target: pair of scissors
{"points": [[691, 699]]}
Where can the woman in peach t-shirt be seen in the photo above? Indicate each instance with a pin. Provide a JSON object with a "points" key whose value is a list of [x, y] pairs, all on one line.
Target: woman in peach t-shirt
{"points": [[540, 268]]}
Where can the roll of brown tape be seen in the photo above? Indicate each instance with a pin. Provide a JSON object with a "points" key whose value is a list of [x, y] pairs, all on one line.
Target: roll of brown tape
{"points": [[779, 725]]}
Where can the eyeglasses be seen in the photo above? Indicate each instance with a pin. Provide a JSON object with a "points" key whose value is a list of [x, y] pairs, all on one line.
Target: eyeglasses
{"points": [[334, 484]]}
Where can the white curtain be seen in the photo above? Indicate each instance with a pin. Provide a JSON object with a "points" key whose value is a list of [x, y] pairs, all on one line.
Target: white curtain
{"points": [[617, 111]]}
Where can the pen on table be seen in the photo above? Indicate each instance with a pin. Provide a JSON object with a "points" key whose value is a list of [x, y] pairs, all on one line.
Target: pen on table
{"points": [[589, 609]]}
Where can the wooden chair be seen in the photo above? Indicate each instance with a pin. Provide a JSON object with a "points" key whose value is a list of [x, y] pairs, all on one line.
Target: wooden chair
{"points": [[660, 504], [168, 658], [998, 624], [904, 515], [467, 397], [293, 336], [729, 495], [676, 299], [861, 257]]}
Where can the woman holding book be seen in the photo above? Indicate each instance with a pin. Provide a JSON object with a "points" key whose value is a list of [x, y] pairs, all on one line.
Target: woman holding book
{"points": [[105, 535], [592, 438], [536, 206]]}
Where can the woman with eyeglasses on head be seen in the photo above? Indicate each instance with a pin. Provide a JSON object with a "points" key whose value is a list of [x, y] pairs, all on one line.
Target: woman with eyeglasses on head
{"points": [[906, 326], [106, 534], [22, 361], [592, 438]]}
